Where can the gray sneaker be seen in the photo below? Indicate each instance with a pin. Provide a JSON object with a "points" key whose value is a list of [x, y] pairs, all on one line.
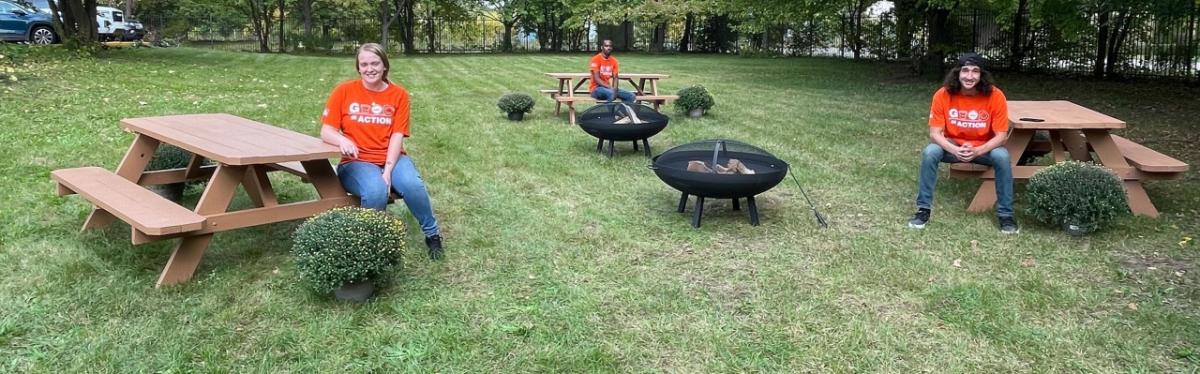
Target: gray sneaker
{"points": [[919, 219], [1008, 225]]}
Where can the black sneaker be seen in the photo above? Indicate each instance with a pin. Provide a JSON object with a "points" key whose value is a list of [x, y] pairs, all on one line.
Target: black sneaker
{"points": [[435, 246], [1008, 225], [919, 219]]}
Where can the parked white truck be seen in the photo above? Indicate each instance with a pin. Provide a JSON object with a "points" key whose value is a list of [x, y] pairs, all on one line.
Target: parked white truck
{"points": [[113, 25]]}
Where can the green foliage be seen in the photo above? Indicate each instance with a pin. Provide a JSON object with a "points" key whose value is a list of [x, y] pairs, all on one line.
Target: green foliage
{"points": [[169, 157], [1074, 193], [694, 97], [346, 245], [516, 102]]}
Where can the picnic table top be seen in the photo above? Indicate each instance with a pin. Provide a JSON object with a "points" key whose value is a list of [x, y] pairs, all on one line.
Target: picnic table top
{"points": [[231, 139], [622, 75], [1058, 115]]}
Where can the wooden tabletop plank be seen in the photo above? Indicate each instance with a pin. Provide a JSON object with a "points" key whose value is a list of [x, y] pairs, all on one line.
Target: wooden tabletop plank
{"points": [[231, 139], [1058, 115], [622, 75]]}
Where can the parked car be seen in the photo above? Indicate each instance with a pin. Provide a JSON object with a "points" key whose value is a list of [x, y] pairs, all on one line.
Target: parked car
{"points": [[21, 24], [112, 25]]}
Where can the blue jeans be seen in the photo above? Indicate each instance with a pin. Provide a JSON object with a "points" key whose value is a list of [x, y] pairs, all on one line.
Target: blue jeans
{"points": [[365, 180], [606, 94], [998, 159]]}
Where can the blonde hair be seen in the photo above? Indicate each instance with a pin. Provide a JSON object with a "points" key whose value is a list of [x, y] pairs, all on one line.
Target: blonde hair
{"points": [[377, 50]]}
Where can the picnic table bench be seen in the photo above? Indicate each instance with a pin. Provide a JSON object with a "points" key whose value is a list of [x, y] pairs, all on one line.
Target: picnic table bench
{"points": [[570, 90], [1075, 132], [244, 152]]}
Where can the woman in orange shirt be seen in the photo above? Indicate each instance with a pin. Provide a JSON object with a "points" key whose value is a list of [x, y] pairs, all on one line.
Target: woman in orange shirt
{"points": [[368, 119], [968, 122]]}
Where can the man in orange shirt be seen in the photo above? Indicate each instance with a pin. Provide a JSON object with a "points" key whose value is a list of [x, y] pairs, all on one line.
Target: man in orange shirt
{"points": [[968, 122], [604, 76]]}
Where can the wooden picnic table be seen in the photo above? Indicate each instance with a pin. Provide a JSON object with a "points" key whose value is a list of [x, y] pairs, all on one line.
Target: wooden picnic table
{"points": [[571, 89], [1076, 131], [643, 84], [243, 150]]}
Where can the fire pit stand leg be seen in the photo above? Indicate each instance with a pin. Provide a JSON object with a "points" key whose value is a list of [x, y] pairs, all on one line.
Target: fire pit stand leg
{"points": [[645, 144], [682, 202], [635, 147], [753, 211], [699, 211], [611, 146], [600, 146], [736, 206]]}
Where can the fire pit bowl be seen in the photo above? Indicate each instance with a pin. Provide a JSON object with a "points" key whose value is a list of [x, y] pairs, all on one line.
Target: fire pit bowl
{"points": [[601, 122], [672, 167]]}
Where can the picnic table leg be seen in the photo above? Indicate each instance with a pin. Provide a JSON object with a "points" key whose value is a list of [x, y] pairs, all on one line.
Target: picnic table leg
{"points": [[571, 113], [1110, 156], [984, 198], [1056, 147], [193, 166], [258, 187], [324, 179], [186, 256], [131, 168]]}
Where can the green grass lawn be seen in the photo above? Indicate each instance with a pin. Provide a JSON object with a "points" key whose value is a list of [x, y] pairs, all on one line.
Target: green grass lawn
{"points": [[560, 260]]}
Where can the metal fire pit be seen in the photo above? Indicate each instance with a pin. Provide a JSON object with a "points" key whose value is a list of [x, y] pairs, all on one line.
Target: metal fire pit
{"points": [[672, 167], [599, 121]]}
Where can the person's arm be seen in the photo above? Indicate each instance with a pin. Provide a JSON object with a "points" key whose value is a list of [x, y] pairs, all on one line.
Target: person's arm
{"points": [[599, 82], [938, 136], [332, 136], [395, 145], [938, 121], [331, 123]]}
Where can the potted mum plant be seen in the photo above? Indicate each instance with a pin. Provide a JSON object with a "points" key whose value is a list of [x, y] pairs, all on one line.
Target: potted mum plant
{"points": [[1077, 196], [694, 101], [168, 157], [345, 250], [516, 105]]}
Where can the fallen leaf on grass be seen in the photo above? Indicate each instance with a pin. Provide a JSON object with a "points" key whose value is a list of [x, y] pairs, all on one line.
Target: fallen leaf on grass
{"points": [[1132, 306], [1028, 262], [957, 263]]}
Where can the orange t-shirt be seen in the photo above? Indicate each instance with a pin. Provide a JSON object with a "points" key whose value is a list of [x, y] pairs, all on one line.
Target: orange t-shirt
{"points": [[368, 118], [607, 68], [969, 119]]}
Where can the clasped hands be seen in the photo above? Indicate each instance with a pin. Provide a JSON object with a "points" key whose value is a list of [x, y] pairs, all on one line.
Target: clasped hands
{"points": [[967, 152]]}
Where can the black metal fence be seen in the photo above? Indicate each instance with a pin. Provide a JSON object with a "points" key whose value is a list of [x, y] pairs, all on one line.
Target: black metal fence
{"points": [[1153, 47]]}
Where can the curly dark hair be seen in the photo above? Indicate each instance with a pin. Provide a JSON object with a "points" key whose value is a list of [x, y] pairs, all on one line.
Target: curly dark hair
{"points": [[984, 86]]}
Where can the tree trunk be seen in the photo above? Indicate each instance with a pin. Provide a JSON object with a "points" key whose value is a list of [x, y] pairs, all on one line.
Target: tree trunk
{"points": [[659, 37], [386, 17], [57, 16], [687, 32], [906, 25], [406, 29], [506, 44], [282, 30], [938, 39], [306, 12], [431, 31], [1125, 20], [1016, 53], [1101, 44], [260, 26]]}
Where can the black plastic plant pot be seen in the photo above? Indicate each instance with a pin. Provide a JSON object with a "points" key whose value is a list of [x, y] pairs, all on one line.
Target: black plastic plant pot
{"points": [[603, 122], [516, 116], [672, 167]]}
